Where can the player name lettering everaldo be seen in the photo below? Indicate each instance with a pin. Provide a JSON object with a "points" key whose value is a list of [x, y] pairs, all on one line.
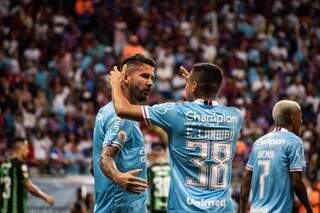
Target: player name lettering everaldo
{"points": [[205, 203], [193, 116], [266, 154]]}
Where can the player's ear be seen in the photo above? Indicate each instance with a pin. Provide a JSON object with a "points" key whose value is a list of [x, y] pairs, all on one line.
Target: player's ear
{"points": [[194, 86], [125, 78]]}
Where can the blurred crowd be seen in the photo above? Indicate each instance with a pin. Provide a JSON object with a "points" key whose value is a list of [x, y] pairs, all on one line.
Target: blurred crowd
{"points": [[55, 55]]}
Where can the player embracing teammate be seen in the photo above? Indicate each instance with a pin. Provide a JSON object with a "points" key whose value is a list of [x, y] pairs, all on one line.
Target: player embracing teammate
{"points": [[202, 142]]}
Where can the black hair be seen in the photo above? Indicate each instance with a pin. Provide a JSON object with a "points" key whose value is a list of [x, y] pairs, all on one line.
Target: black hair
{"points": [[138, 59], [15, 142], [208, 77], [158, 146]]}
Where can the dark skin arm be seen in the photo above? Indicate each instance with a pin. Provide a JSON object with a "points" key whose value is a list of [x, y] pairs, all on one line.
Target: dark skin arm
{"points": [[245, 190], [127, 181], [300, 190], [34, 190]]}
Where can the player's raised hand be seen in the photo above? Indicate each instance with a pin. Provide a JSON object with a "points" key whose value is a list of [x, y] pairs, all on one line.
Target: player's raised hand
{"points": [[123, 73], [130, 183], [184, 73], [115, 77]]}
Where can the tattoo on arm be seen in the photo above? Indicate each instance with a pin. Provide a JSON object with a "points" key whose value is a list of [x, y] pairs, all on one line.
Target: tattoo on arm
{"points": [[107, 164]]}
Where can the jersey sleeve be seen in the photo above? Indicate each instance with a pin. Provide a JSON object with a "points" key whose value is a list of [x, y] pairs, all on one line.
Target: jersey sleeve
{"points": [[250, 162], [295, 152], [163, 115], [117, 132], [240, 118], [23, 171]]}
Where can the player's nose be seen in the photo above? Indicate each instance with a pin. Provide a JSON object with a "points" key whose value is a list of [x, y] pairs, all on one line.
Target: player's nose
{"points": [[149, 83]]}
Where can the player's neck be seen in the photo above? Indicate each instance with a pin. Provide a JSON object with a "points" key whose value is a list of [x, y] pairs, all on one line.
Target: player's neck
{"points": [[125, 92], [287, 127], [160, 159], [205, 98], [15, 155]]}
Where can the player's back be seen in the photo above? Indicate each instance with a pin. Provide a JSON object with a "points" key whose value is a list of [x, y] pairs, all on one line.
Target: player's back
{"points": [[13, 196], [273, 157], [112, 130], [201, 152], [203, 139]]}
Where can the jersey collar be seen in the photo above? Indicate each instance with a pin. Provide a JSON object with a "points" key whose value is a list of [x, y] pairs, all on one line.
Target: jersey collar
{"points": [[280, 129], [206, 102]]}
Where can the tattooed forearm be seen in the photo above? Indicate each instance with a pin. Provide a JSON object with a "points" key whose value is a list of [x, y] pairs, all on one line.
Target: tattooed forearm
{"points": [[107, 164]]}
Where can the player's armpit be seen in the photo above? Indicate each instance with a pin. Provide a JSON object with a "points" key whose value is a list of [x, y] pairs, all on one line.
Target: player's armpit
{"points": [[245, 190]]}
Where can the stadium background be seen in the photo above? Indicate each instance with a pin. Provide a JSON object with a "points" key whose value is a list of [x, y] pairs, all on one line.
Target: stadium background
{"points": [[55, 55]]}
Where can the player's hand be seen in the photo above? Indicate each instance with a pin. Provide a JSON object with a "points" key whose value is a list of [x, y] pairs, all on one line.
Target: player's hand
{"points": [[130, 183], [116, 77], [50, 200], [184, 73]]}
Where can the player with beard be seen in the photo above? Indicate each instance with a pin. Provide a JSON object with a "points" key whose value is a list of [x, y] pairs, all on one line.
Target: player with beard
{"points": [[119, 166], [203, 135]]}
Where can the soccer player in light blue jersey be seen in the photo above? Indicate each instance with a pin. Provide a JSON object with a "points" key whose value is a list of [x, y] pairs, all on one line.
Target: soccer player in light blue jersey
{"points": [[119, 166], [202, 140], [275, 165]]}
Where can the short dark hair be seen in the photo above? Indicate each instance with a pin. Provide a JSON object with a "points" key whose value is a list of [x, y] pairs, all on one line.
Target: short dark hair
{"points": [[15, 142], [208, 77], [158, 146], [138, 59]]}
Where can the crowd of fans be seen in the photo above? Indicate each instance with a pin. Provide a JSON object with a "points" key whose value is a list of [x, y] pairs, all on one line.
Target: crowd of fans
{"points": [[55, 55]]}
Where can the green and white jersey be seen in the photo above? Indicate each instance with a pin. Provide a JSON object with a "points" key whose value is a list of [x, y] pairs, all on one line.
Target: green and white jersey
{"points": [[159, 182], [13, 194]]}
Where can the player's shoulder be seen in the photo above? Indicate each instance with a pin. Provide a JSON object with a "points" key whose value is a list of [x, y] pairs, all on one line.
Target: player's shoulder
{"points": [[283, 138], [292, 138], [233, 109], [15, 162], [107, 114], [164, 108], [259, 141], [268, 138], [107, 110]]}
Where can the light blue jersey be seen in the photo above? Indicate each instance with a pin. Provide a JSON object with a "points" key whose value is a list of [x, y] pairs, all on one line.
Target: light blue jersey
{"points": [[111, 130], [273, 157], [202, 144]]}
